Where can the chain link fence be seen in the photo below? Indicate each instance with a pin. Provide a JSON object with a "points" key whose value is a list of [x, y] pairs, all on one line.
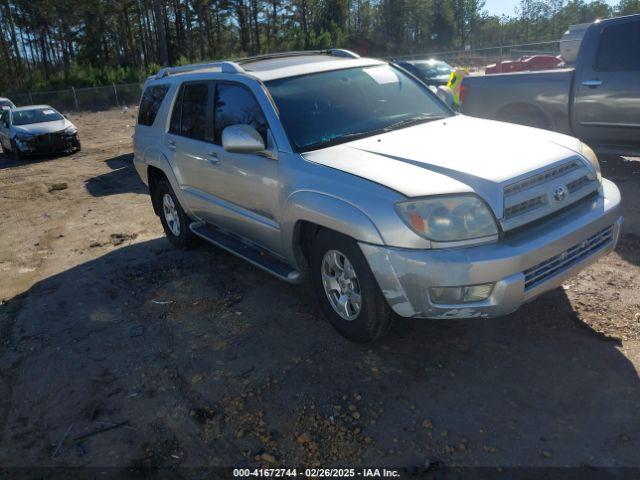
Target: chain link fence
{"points": [[114, 96], [83, 99]]}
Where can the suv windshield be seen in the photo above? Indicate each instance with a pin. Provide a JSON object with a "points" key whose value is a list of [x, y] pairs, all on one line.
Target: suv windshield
{"points": [[35, 115], [323, 109]]}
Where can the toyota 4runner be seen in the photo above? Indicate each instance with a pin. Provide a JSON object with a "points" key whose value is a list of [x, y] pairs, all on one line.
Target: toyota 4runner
{"points": [[351, 171]]}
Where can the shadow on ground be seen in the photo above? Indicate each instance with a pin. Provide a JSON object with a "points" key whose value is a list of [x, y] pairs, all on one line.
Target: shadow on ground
{"points": [[122, 179], [212, 362], [9, 161]]}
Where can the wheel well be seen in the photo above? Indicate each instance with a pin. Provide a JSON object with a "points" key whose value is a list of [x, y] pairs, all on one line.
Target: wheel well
{"points": [[154, 174], [524, 114], [304, 234]]}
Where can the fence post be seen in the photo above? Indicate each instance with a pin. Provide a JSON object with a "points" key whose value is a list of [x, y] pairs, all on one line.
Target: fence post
{"points": [[115, 91], [75, 99]]}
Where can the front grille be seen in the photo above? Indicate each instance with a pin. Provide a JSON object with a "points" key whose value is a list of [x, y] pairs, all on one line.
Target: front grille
{"points": [[559, 263], [577, 184], [526, 206], [543, 177], [48, 139], [544, 193]]}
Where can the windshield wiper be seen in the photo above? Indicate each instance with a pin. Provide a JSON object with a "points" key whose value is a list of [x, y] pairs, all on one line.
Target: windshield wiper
{"points": [[407, 122], [348, 137]]}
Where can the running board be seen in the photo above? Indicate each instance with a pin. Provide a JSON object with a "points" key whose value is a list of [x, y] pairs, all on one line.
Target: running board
{"points": [[260, 258]]}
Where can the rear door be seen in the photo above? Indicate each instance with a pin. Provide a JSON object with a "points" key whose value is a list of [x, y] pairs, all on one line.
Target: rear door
{"points": [[607, 85], [190, 139]]}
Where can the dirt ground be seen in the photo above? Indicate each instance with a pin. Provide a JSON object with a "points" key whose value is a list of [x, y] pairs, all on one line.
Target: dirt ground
{"points": [[199, 359]]}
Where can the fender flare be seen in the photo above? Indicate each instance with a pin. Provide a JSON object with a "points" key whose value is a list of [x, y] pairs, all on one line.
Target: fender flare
{"points": [[155, 158], [325, 211]]}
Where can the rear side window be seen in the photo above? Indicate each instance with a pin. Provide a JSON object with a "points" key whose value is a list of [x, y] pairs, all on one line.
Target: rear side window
{"points": [[190, 112], [234, 105], [150, 103], [618, 51]]}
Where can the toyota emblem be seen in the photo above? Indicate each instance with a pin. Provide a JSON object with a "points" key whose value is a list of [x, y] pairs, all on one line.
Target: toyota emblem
{"points": [[560, 193]]}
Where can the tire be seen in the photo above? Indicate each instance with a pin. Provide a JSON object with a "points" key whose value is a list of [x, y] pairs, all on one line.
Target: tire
{"points": [[174, 220], [374, 318]]}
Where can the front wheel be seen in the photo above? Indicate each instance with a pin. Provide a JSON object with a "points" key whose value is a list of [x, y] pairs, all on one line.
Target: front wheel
{"points": [[347, 291], [174, 220]]}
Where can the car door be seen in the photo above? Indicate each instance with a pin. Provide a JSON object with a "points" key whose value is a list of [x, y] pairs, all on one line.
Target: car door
{"points": [[190, 141], [607, 86], [5, 136], [245, 186]]}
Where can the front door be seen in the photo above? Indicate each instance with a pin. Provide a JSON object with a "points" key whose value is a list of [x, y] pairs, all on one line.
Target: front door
{"points": [[246, 186], [607, 87]]}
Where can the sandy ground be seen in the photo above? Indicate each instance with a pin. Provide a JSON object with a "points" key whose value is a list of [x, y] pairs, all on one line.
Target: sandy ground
{"points": [[198, 359]]}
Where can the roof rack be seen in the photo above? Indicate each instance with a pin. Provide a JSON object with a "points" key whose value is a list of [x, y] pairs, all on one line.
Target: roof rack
{"points": [[336, 52], [225, 67]]}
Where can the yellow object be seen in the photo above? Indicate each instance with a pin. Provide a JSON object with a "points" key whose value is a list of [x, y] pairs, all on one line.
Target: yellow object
{"points": [[455, 80]]}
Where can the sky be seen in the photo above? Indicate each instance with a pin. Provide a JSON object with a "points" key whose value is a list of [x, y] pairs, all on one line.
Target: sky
{"points": [[507, 7]]}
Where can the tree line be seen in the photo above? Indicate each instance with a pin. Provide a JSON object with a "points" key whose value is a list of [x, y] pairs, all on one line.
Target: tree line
{"points": [[56, 43]]}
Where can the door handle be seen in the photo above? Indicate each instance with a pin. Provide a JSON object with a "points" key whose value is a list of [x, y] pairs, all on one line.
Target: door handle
{"points": [[592, 83], [212, 158], [172, 145]]}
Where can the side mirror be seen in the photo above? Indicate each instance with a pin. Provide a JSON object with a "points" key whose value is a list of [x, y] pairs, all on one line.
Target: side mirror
{"points": [[242, 139], [446, 95]]}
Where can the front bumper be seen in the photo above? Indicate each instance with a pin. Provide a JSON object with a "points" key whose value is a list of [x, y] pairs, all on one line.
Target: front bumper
{"points": [[49, 144], [522, 265]]}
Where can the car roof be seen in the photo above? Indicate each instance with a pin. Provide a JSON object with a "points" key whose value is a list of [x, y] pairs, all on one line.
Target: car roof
{"points": [[275, 66]]}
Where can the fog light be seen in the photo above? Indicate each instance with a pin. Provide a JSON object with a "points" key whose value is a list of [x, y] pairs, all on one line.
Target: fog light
{"points": [[454, 295]]}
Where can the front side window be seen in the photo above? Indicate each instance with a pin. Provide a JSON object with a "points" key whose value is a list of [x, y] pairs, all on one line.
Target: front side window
{"points": [[150, 104], [36, 115], [327, 108], [618, 50], [237, 105]]}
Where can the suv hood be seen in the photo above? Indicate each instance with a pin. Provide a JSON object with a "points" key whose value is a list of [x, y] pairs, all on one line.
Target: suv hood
{"points": [[458, 154]]}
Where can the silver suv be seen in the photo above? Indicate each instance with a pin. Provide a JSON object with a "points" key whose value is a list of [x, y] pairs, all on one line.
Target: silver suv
{"points": [[351, 171]]}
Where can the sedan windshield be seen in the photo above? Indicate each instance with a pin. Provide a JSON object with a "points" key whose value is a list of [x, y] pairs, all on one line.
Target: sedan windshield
{"points": [[328, 108], [433, 69], [35, 115]]}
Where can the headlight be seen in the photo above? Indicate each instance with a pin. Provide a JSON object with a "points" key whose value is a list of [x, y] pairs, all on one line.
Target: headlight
{"points": [[449, 218], [70, 130], [590, 155]]}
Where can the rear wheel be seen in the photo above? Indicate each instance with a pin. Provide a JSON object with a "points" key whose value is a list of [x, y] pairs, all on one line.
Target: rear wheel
{"points": [[347, 291], [174, 220]]}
